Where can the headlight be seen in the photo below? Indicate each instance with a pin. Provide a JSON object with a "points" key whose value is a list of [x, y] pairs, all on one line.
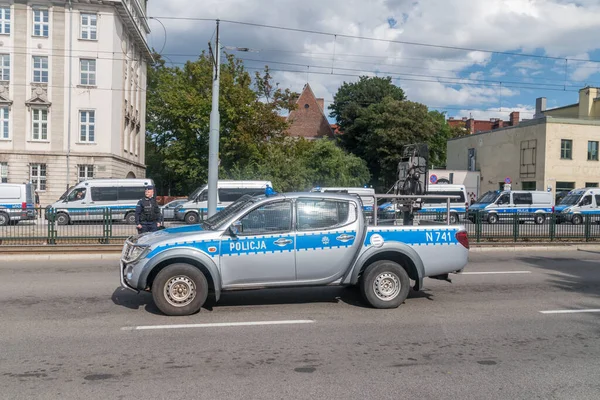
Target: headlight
{"points": [[566, 211], [133, 253]]}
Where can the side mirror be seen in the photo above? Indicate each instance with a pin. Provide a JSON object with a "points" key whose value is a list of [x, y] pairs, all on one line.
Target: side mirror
{"points": [[236, 228]]}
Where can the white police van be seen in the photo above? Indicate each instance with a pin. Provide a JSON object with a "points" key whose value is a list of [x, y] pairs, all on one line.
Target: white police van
{"points": [[577, 204], [228, 191], [97, 199], [16, 203], [458, 205], [496, 205]]}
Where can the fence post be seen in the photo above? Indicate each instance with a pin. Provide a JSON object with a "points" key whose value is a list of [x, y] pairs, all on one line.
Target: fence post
{"points": [[588, 225], [478, 226], [516, 226], [51, 225], [552, 227]]}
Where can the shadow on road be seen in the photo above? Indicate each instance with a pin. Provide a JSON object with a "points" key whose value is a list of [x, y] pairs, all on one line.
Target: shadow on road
{"points": [[571, 274], [262, 297]]}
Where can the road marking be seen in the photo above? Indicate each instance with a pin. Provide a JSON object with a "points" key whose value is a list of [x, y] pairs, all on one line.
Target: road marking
{"points": [[590, 310], [494, 272], [217, 324]]}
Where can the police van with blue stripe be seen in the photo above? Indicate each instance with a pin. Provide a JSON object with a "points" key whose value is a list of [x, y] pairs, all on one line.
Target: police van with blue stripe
{"points": [[289, 240], [503, 205], [98, 199], [16, 203], [578, 204], [458, 205]]}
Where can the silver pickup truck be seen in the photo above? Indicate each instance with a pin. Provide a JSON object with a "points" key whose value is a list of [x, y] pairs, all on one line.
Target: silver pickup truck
{"points": [[289, 240]]}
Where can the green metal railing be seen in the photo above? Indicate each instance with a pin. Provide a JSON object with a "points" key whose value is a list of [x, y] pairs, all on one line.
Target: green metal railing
{"points": [[104, 226]]}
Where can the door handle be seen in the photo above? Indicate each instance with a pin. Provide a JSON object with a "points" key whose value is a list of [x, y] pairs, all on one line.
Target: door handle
{"points": [[282, 242], [344, 238]]}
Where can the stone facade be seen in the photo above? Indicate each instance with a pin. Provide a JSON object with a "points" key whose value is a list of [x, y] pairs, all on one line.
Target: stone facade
{"points": [[75, 100]]}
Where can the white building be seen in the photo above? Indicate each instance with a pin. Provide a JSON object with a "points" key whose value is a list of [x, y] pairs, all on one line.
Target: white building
{"points": [[72, 91]]}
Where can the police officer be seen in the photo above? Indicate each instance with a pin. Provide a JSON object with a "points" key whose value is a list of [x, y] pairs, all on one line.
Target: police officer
{"points": [[148, 216]]}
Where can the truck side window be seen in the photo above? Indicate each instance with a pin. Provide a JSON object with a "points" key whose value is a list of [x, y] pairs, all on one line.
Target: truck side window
{"points": [[597, 200], [270, 218], [323, 214], [522, 198]]}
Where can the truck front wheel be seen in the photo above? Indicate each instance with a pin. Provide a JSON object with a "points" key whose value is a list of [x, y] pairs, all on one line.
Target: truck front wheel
{"points": [[180, 289], [385, 284]]}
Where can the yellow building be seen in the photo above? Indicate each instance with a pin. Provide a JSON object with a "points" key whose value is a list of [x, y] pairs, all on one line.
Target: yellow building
{"points": [[557, 150]]}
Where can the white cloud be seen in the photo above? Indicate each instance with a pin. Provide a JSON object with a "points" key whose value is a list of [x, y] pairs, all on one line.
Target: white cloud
{"points": [[557, 27]]}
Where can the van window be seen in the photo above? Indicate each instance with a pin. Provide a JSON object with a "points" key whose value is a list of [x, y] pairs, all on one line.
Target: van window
{"points": [[447, 193], [131, 192], [597, 200], [504, 199], [104, 194], [522, 198], [587, 200], [77, 194], [230, 195]]}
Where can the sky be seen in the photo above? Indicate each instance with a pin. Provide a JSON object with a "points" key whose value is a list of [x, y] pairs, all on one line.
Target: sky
{"points": [[479, 58]]}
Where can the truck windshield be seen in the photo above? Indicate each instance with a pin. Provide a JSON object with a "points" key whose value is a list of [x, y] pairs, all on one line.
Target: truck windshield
{"points": [[223, 216], [570, 200], [488, 197]]}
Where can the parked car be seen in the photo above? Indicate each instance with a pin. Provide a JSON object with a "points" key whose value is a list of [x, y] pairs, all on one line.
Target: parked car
{"points": [[529, 205], [168, 210], [579, 203], [16, 203]]}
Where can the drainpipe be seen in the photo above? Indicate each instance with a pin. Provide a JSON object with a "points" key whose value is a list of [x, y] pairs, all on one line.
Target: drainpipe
{"points": [[70, 91]]}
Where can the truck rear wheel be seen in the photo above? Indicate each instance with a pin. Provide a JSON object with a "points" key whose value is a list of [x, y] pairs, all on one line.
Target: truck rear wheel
{"points": [[179, 289], [385, 284]]}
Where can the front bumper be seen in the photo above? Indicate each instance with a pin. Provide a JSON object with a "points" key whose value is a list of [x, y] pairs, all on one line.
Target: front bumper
{"points": [[123, 277]]}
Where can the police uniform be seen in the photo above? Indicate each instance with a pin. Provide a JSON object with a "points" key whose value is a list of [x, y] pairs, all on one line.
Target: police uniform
{"points": [[148, 214]]}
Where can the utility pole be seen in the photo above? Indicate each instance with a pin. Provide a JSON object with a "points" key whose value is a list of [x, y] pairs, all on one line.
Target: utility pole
{"points": [[213, 139]]}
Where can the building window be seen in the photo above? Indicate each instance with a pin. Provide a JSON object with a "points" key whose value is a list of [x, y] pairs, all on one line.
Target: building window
{"points": [[5, 20], [528, 185], [593, 151], [4, 67], [87, 126], [4, 123], [39, 124], [40, 22], [566, 149], [40, 69], [89, 23], [88, 72], [4, 172], [37, 175], [528, 158], [591, 184], [564, 186], [86, 172]]}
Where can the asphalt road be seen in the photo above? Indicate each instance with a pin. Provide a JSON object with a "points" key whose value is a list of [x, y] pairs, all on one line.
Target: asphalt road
{"points": [[68, 332]]}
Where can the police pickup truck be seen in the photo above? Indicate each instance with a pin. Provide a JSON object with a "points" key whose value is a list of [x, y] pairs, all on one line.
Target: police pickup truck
{"points": [[289, 240]]}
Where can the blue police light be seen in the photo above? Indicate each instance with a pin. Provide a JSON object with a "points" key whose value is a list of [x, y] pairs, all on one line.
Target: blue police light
{"points": [[269, 191]]}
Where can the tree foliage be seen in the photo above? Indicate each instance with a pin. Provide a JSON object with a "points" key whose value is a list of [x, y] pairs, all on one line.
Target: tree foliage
{"points": [[253, 140], [378, 121]]}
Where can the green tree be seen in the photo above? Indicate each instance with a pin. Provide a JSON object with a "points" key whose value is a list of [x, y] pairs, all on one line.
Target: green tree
{"points": [[438, 142]]}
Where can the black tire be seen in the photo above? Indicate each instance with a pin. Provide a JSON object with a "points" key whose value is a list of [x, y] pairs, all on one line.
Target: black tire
{"points": [[62, 219], [385, 272], [492, 218], [539, 219], [191, 218], [453, 219], [130, 218], [4, 219], [577, 219], [190, 279]]}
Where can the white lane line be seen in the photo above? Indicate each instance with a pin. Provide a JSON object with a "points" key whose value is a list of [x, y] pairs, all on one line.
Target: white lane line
{"points": [[217, 324], [590, 310], [494, 272]]}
